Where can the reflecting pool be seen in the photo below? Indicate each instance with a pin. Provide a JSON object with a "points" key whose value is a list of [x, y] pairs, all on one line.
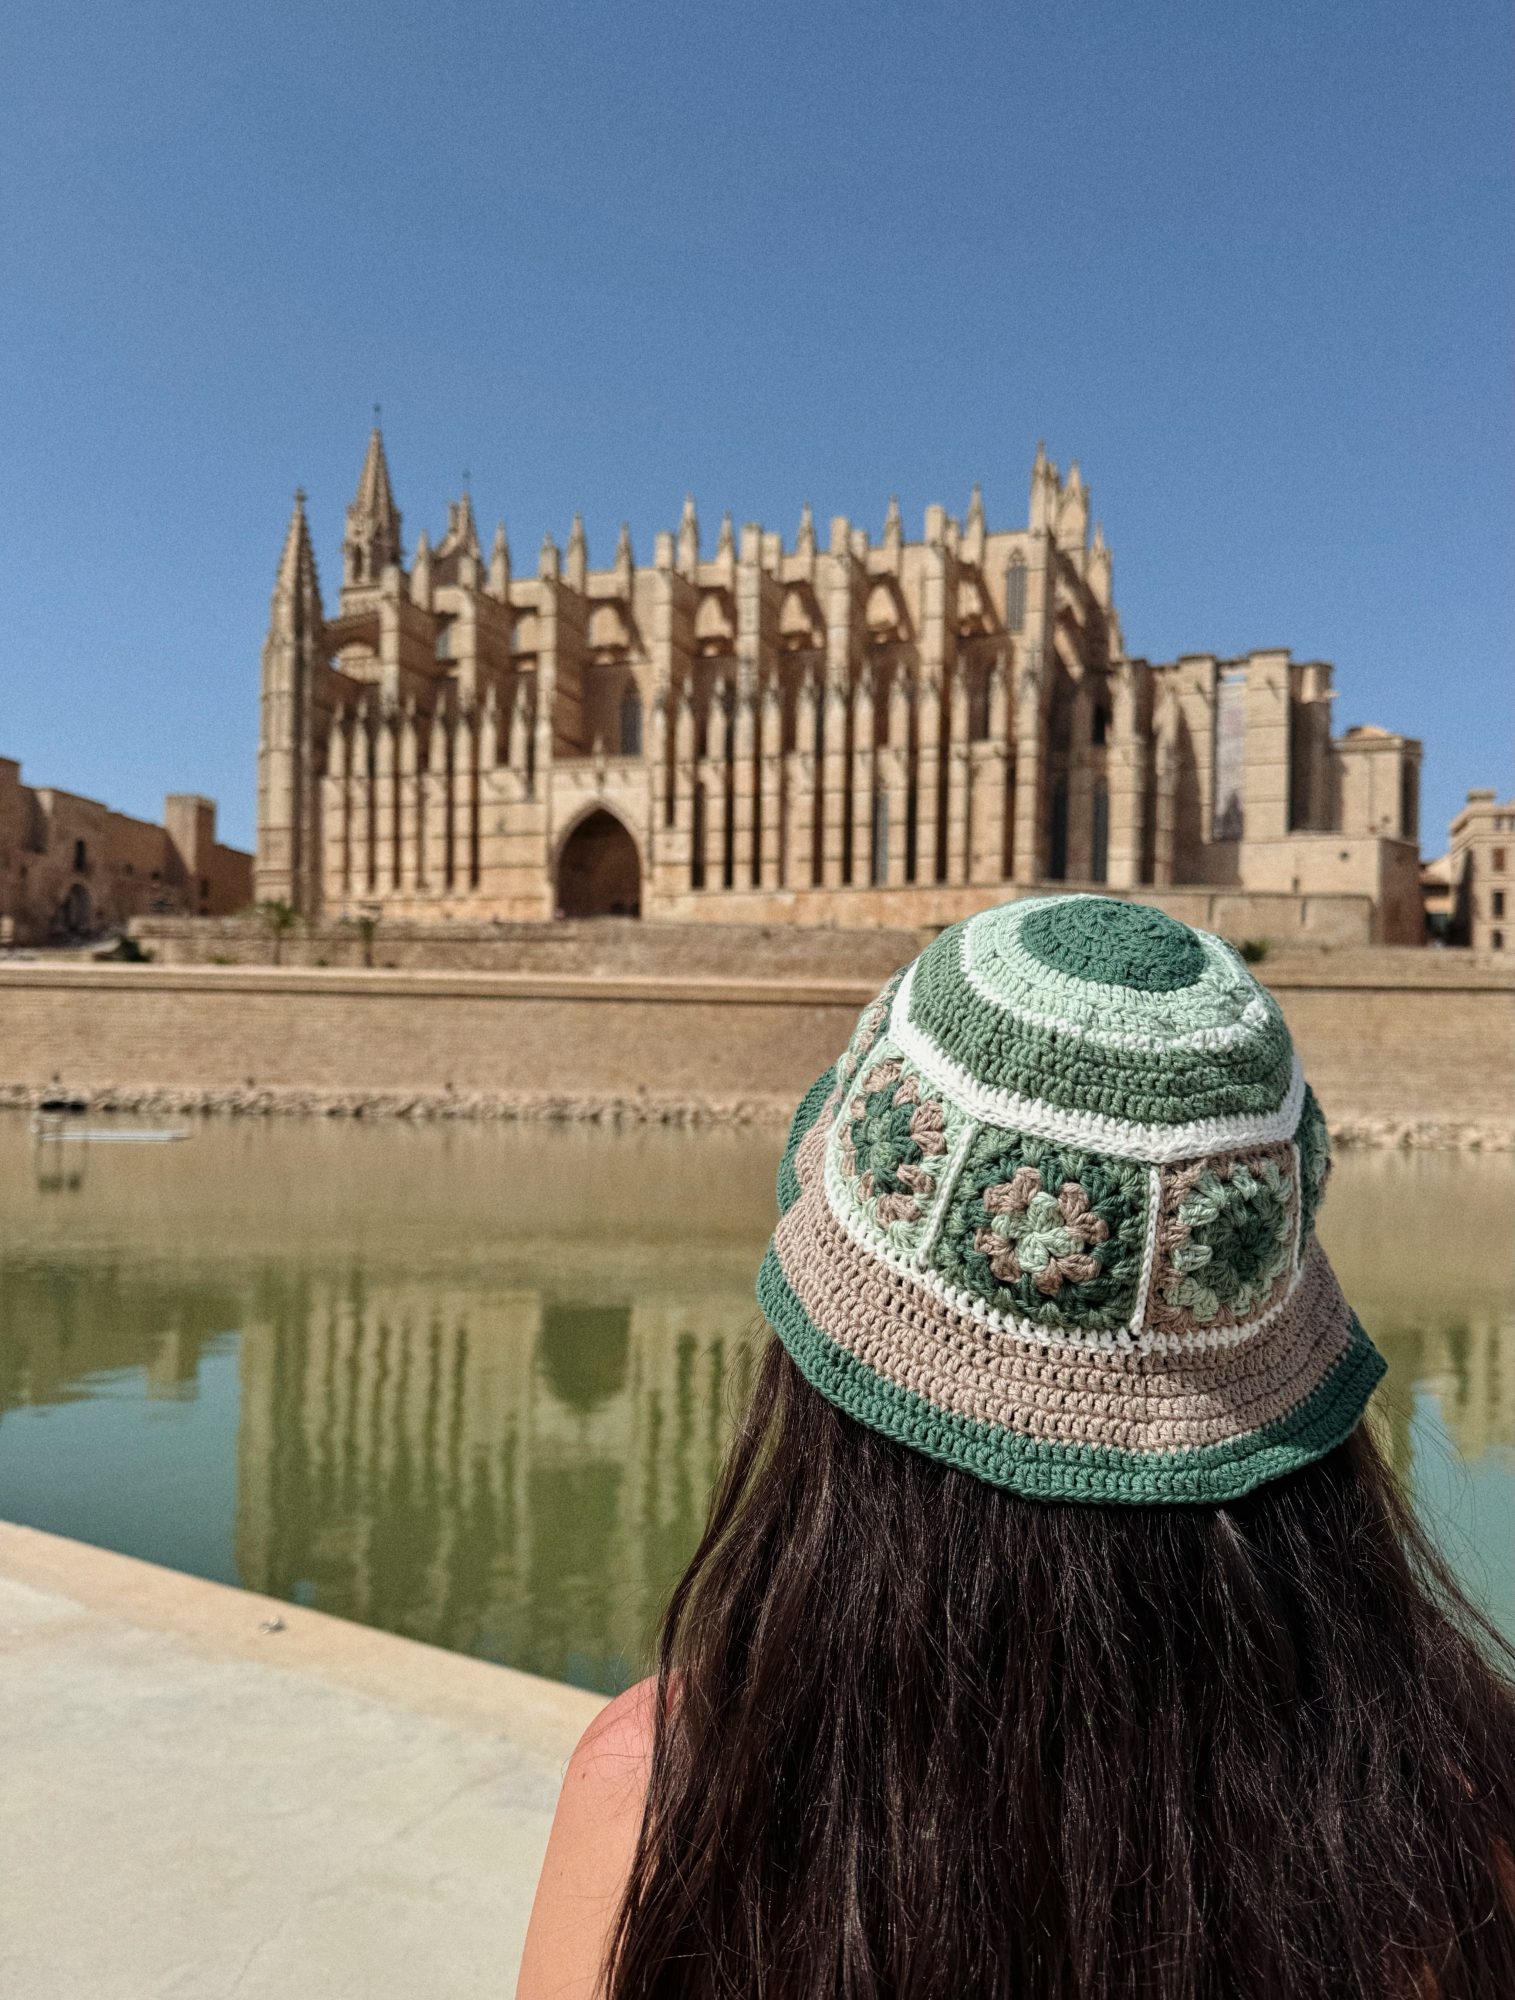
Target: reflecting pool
{"points": [[471, 1382]]}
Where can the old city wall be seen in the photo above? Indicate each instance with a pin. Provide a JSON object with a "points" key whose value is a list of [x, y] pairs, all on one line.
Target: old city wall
{"points": [[841, 933], [1391, 1039], [602, 945]]}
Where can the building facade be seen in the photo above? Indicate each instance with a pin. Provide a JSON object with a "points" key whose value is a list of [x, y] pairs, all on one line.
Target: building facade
{"points": [[1480, 904], [838, 731], [71, 868]]}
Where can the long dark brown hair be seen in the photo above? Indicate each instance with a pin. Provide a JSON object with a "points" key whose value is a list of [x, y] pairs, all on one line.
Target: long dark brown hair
{"points": [[919, 1737]]}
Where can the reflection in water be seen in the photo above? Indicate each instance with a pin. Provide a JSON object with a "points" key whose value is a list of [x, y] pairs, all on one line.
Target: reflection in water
{"points": [[473, 1385], [499, 1472]]}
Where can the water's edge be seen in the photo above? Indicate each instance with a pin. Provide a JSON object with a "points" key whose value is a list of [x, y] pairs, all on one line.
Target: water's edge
{"points": [[628, 1108]]}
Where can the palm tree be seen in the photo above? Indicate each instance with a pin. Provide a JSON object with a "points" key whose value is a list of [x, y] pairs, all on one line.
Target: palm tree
{"points": [[366, 924], [278, 919]]}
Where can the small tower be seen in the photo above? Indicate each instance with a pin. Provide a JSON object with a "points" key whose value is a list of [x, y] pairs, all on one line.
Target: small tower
{"points": [[894, 530], [974, 529], [689, 538], [576, 568], [373, 521], [458, 555], [1101, 568], [625, 562], [1045, 489], [804, 541], [499, 566], [1071, 529]]}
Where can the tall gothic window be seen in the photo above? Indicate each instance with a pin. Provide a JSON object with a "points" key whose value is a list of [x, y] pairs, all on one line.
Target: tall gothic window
{"points": [[1057, 833], [631, 721], [1015, 594], [1099, 860], [879, 872], [978, 706], [697, 839]]}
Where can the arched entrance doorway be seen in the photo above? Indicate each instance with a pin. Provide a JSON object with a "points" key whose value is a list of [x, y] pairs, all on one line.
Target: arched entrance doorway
{"points": [[74, 914], [599, 872]]}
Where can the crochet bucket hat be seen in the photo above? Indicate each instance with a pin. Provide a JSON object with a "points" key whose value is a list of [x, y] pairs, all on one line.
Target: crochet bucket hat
{"points": [[1050, 1217]]}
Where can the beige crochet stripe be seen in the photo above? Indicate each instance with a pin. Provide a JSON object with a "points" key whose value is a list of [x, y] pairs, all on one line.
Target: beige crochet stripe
{"points": [[1140, 1401]]}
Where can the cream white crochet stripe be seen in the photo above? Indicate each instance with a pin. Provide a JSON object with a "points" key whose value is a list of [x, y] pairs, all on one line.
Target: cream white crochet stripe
{"points": [[1149, 1247], [815, 1150], [1091, 1130], [948, 1188], [1253, 1018]]}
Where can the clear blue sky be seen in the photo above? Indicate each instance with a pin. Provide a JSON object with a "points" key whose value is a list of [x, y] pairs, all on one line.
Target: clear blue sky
{"points": [[1249, 264]]}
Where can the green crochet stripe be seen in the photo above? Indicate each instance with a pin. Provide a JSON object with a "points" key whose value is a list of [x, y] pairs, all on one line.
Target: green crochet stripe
{"points": [[1118, 944], [811, 1105], [1038, 1470], [1146, 1087]]}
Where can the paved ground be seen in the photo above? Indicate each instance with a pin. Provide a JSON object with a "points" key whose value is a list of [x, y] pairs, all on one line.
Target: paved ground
{"points": [[192, 1807]]}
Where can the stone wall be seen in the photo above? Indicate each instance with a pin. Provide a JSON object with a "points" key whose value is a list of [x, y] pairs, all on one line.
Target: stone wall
{"points": [[613, 946], [1398, 1043], [754, 933]]}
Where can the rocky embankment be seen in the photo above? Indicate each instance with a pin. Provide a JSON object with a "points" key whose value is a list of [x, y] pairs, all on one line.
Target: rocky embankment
{"points": [[634, 1108], [552, 1107]]}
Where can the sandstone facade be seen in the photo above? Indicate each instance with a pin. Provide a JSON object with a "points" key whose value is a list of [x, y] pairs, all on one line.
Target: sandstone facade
{"points": [[71, 867], [853, 733], [1479, 880]]}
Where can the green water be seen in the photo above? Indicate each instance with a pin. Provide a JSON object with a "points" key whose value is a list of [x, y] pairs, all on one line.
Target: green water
{"points": [[471, 1383]]}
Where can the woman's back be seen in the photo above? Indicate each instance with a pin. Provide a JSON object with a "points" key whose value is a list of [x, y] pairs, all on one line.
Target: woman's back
{"points": [[1058, 1630]]}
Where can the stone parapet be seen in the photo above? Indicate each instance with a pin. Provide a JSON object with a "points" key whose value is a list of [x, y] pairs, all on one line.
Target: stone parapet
{"points": [[1402, 1046]]}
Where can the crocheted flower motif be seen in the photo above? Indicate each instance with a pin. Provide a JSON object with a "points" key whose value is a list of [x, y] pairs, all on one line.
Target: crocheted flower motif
{"points": [[892, 1143], [1225, 1239], [1314, 1162], [1046, 1232], [1037, 1233]]}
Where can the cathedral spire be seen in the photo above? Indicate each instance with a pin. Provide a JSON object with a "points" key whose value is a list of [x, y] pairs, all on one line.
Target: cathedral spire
{"points": [[373, 519], [297, 588], [292, 658]]}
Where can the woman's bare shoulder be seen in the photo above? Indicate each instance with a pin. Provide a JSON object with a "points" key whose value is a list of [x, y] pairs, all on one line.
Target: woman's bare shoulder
{"points": [[621, 1734], [594, 1835]]}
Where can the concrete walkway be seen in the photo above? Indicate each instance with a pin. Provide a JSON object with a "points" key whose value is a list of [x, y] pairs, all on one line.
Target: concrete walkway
{"points": [[193, 1806]]}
